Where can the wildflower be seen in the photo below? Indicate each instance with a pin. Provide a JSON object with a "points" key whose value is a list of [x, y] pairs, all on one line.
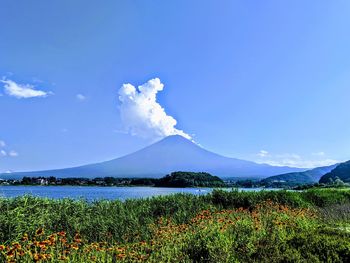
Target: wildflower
{"points": [[11, 253], [2, 247], [75, 247], [39, 232], [61, 234], [52, 238], [16, 245], [121, 255], [63, 240], [25, 237], [36, 257], [77, 238]]}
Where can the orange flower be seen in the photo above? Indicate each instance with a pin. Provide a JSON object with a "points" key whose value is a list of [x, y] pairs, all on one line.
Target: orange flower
{"points": [[16, 245], [36, 257], [11, 253], [75, 247], [39, 232], [24, 238], [63, 240], [61, 234], [120, 249], [121, 255]]}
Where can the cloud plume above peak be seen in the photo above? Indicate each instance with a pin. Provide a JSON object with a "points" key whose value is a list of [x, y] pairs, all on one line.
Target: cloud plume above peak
{"points": [[142, 115]]}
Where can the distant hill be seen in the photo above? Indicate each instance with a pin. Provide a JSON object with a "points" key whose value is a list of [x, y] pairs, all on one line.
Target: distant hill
{"points": [[297, 178], [342, 171], [189, 179], [173, 153]]}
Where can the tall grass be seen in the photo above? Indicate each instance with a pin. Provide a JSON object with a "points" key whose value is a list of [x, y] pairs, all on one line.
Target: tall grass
{"points": [[296, 226]]}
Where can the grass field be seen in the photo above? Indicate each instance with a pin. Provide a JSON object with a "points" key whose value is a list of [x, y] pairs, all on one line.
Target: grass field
{"points": [[267, 226]]}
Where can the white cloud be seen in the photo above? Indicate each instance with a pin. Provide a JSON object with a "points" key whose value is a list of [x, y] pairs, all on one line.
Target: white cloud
{"points": [[262, 153], [4, 153], [302, 163], [80, 97], [294, 160], [142, 115], [13, 153], [22, 90]]}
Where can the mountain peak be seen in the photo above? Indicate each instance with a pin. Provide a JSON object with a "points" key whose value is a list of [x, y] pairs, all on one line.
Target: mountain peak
{"points": [[175, 138], [175, 141]]}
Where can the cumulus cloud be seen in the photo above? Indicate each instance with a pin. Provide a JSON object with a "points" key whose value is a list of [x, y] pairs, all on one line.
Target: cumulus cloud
{"points": [[22, 90], [80, 97], [262, 153], [294, 160], [142, 115], [4, 152], [13, 153]]}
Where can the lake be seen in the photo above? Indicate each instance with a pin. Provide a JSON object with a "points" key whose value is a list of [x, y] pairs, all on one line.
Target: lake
{"points": [[94, 192]]}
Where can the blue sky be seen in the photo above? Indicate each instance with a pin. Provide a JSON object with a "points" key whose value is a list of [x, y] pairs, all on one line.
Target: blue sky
{"points": [[266, 81]]}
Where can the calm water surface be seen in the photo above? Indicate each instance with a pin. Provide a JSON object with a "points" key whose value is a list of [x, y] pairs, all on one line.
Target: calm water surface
{"points": [[95, 192]]}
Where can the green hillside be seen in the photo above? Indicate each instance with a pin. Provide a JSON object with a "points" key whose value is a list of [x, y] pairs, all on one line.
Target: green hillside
{"points": [[342, 172], [298, 178], [190, 179]]}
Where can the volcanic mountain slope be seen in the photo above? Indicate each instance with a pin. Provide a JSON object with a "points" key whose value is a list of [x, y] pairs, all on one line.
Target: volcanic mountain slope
{"points": [[173, 153]]}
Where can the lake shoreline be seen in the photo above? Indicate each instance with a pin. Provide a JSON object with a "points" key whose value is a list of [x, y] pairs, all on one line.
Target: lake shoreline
{"points": [[109, 192]]}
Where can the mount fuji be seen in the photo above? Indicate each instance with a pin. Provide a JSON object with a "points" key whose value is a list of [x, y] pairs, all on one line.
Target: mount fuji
{"points": [[173, 153]]}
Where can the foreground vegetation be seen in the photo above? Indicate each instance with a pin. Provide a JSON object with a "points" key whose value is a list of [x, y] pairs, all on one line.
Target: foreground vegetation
{"points": [[267, 226]]}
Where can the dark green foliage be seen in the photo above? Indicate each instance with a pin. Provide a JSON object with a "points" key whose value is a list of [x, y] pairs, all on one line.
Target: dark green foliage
{"points": [[342, 172], [176, 179], [236, 198], [322, 245], [190, 179], [105, 181], [326, 197]]}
